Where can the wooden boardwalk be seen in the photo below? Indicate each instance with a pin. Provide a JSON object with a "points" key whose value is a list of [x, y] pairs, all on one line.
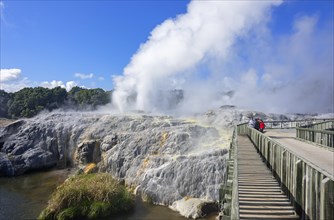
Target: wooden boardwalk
{"points": [[260, 195], [319, 156]]}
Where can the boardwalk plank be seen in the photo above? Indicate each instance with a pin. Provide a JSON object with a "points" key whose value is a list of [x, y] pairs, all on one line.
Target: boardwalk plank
{"points": [[260, 195]]}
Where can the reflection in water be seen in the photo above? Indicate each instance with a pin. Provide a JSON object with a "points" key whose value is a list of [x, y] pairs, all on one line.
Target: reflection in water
{"points": [[146, 211], [24, 197]]}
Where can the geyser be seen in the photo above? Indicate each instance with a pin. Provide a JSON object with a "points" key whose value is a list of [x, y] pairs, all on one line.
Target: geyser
{"points": [[223, 52]]}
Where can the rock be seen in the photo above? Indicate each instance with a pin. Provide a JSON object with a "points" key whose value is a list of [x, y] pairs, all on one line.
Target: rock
{"points": [[34, 159], [6, 167], [194, 176], [108, 142], [10, 129], [194, 207], [88, 152], [165, 159]]}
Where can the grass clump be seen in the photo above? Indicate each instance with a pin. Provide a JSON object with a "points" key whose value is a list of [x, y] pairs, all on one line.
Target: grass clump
{"points": [[88, 196]]}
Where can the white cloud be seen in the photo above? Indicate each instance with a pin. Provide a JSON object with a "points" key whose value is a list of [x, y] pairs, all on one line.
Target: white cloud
{"points": [[15, 85], [84, 76], [70, 85], [54, 83], [101, 78], [9, 74], [11, 80]]}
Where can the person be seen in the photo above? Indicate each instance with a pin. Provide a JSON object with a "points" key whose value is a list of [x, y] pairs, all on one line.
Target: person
{"points": [[251, 123], [261, 125], [257, 124]]}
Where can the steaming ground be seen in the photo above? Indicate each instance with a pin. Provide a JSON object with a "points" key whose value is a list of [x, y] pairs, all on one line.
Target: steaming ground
{"points": [[224, 52], [164, 159], [219, 52]]}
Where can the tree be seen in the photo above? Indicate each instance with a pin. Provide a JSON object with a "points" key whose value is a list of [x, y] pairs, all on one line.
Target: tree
{"points": [[30, 101], [4, 99], [88, 98], [58, 98]]}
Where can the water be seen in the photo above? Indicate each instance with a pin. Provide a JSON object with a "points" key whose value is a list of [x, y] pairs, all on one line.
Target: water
{"points": [[24, 197]]}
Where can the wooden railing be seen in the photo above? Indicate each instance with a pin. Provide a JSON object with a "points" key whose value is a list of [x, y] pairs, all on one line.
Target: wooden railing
{"points": [[229, 198], [322, 137], [293, 123], [326, 125], [309, 188], [320, 133]]}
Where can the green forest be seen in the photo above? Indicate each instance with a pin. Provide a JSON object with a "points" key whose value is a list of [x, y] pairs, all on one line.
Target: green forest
{"points": [[28, 102]]}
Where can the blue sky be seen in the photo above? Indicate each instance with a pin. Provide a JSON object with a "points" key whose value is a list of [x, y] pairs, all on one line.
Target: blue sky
{"points": [[89, 41], [53, 40]]}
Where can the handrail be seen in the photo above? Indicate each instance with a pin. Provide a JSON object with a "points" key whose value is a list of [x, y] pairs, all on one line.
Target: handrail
{"points": [[293, 123], [302, 158], [229, 191], [316, 130], [301, 120], [235, 188], [310, 188], [328, 124], [316, 133]]}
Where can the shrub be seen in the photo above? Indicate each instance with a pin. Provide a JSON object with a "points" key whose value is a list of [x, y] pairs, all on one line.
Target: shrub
{"points": [[89, 196]]}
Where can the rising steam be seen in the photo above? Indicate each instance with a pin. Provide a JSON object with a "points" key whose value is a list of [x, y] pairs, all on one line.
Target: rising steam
{"points": [[222, 52]]}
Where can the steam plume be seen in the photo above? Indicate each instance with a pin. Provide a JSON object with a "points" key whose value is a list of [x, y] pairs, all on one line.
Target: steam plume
{"points": [[203, 54]]}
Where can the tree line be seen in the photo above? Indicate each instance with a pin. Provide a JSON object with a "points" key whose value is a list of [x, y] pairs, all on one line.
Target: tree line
{"points": [[28, 102]]}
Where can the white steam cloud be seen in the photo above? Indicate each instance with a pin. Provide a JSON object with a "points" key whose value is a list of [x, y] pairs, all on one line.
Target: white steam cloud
{"points": [[221, 52]]}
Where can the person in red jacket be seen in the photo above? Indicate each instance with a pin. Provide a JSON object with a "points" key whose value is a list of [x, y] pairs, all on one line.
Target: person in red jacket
{"points": [[262, 126]]}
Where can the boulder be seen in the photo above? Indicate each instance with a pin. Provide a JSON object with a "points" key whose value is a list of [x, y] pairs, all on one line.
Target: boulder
{"points": [[194, 207], [6, 167]]}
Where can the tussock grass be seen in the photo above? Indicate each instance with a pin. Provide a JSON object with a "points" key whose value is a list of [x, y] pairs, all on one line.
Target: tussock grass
{"points": [[88, 196]]}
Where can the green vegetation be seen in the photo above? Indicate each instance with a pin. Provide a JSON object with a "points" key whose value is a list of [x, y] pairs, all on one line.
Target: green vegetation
{"points": [[84, 98], [4, 98], [88, 196], [28, 102]]}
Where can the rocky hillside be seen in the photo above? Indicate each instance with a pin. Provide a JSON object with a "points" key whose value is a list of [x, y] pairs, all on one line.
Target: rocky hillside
{"points": [[163, 159]]}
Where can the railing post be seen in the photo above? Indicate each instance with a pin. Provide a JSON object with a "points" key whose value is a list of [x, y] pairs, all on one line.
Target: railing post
{"points": [[326, 199], [312, 194], [298, 173], [283, 166], [268, 150], [307, 188]]}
